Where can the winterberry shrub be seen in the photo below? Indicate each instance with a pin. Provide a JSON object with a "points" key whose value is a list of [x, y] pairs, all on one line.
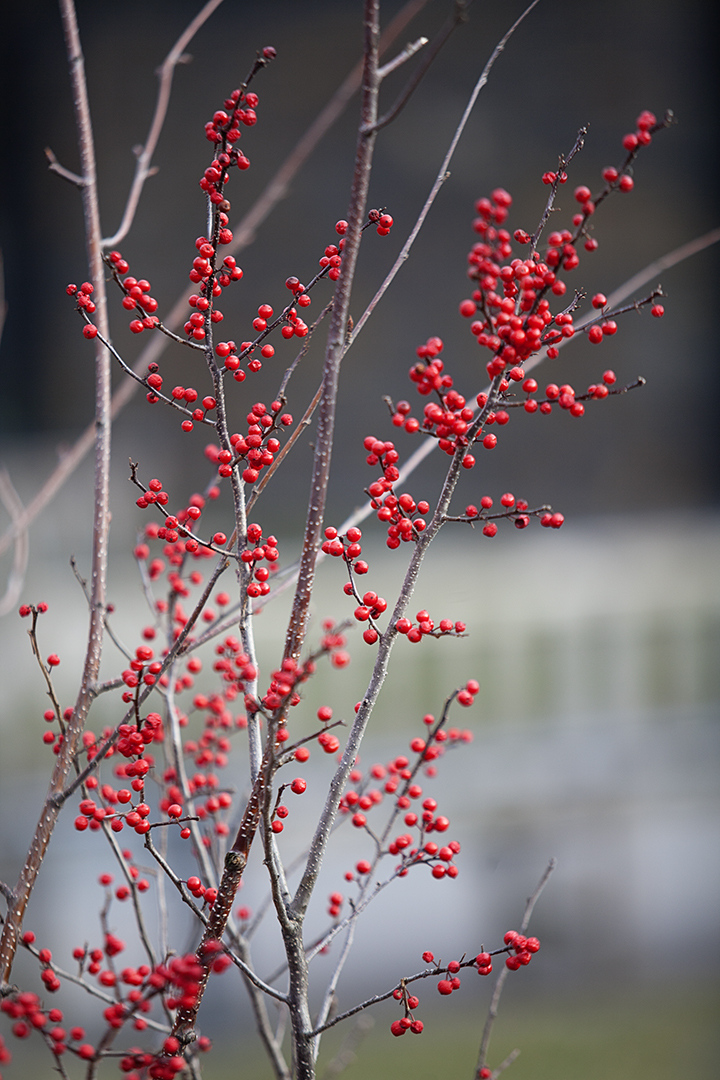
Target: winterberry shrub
{"points": [[190, 687]]}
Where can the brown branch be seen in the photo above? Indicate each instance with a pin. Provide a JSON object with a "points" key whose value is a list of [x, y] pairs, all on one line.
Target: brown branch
{"points": [[458, 17], [336, 340], [101, 515]]}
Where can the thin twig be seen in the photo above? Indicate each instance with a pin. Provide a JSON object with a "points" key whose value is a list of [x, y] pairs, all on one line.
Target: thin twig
{"points": [[166, 71], [272, 1040], [505, 1064], [562, 163], [55, 166], [426, 973], [458, 17], [410, 49], [495, 1001], [442, 176]]}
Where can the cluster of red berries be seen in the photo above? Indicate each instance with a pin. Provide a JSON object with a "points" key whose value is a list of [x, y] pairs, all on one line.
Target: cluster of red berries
{"points": [[27, 609], [182, 394], [408, 1021], [620, 179], [239, 108], [143, 668], [136, 294], [136, 817], [283, 691], [384, 454], [289, 320], [179, 980], [298, 787], [523, 949], [347, 547], [85, 305], [137, 1063], [515, 324], [516, 510], [257, 447], [564, 396], [371, 607], [360, 799], [210, 280], [283, 687], [426, 628], [26, 1010], [176, 526]]}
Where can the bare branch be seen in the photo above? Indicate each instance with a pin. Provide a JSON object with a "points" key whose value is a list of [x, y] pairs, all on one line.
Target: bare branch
{"points": [[663, 263], [101, 513], [92, 990], [335, 349], [271, 1040], [458, 17], [410, 49], [166, 71], [55, 166]]}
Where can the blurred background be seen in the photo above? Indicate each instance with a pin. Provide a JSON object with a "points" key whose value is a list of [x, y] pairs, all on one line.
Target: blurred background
{"points": [[597, 648]]}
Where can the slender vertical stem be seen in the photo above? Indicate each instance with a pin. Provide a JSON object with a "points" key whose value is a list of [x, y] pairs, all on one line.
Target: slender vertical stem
{"points": [[101, 516], [337, 335], [497, 992]]}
